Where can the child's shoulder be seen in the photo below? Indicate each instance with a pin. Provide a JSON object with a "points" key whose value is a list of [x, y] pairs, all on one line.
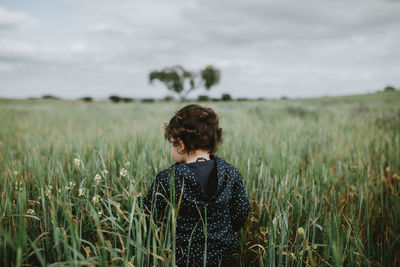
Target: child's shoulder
{"points": [[162, 176], [166, 173], [228, 167]]}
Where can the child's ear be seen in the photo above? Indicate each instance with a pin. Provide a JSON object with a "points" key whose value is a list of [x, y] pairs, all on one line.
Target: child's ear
{"points": [[181, 146]]}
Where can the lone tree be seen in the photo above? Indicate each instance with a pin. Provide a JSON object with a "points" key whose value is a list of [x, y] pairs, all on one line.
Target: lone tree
{"points": [[389, 88], [182, 82], [210, 76]]}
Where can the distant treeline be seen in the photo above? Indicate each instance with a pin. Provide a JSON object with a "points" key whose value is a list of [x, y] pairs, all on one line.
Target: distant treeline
{"points": [[119, 99], [200, 98]]}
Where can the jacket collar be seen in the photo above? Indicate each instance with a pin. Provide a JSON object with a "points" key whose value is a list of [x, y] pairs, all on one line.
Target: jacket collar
{"points": [[182, 170]]}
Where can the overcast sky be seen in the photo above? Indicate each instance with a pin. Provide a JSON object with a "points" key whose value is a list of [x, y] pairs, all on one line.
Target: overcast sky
{"points": [[75, 48]]}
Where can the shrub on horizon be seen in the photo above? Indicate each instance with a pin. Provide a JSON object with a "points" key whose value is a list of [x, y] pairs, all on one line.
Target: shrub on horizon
{"points": [[226, 97], [50, 97], [127, 99], [148, 100], [202, 98], [115, 98], [87, 99]]}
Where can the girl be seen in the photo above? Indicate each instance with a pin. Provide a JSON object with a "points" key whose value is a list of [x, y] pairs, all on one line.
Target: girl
{"points": [[210, 190]]}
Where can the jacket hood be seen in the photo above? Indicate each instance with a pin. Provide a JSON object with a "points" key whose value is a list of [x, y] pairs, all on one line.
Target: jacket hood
{"points": [[183, 170]]}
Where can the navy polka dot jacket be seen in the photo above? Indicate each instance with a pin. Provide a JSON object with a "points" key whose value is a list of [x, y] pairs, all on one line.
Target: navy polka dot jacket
{"points": [[223, 214]]}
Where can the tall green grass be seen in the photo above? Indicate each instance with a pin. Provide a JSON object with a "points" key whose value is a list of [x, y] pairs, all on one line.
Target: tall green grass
{"points": [[323, 181]]}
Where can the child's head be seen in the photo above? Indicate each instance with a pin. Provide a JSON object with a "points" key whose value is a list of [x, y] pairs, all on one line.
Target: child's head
{"points": [[194, 128]]}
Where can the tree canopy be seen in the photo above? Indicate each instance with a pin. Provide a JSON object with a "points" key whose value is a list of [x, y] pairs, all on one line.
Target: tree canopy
{"points": [[182, 82], [210, 76], [389, 88]]}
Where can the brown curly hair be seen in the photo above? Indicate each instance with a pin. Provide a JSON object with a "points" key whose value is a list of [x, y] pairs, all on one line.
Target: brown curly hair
{"points": [[196, 126]]}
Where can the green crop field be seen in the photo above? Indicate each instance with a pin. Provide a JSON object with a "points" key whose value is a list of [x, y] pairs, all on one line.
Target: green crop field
{"points": [[322, 176]]}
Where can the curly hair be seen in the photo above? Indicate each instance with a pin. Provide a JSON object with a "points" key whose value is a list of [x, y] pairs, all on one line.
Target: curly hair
{"points": [[196, 126]]}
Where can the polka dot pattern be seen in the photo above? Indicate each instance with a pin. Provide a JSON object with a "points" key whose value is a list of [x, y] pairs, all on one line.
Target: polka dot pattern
{"points": [[220, 215]]}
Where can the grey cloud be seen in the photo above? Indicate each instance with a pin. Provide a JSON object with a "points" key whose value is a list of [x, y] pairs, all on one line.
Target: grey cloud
{"points": [[16, 20], [264, 48]]}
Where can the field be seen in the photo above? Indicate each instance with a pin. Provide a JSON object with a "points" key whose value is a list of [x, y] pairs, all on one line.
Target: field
{"points": [[322, 175]]}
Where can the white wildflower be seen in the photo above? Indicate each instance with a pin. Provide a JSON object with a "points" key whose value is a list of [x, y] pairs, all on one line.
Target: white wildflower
{"points": [[77, 162], [81, 191], [18, 186], [292, 256], [300, 231], [96, 199], [97, 178], [123, 172], [15, 172], [69, 186], [47, 190], [100, 212], [127, 163], [31, 212], [105, 172]]}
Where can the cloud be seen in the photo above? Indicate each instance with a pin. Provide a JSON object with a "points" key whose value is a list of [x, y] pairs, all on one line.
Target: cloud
{"points": [[105, 28], [39, 52], [16, 20], [263, 48]]}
